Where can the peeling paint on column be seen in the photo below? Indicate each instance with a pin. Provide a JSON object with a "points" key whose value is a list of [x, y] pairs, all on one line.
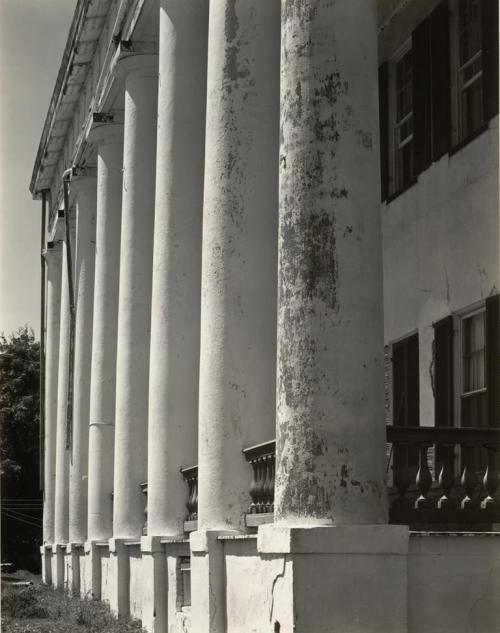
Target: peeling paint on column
{"points": [[323, 471]]}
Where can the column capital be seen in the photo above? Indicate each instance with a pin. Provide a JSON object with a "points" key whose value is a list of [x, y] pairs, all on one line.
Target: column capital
{"points": [[106, 133], [137, 65]]}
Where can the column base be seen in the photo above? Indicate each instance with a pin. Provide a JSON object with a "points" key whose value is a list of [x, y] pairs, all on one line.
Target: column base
{"points": [[73, 568], [57, 565], [119, 577], [91, 579], [155, 591], [208, 591], [347, 578], [46, 559]]}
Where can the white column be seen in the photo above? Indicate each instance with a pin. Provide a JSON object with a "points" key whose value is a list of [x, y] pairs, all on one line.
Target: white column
{"points": [[109, 140], [53, 258], [84, 190], [61, 515], [175, 322], [134, 312], [330, 494], [238, 309], [330, 412]]}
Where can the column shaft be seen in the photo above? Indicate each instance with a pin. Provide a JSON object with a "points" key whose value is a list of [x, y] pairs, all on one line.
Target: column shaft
{"points": [[109, 139], [84, 187], [175, 323], [238, 313], [134, 313], [330, 420], [61, 515], [53, 258]]}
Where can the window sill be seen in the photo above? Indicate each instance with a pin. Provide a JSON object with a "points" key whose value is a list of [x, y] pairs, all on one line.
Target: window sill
{"points": [[397, 193], [461, 144]]}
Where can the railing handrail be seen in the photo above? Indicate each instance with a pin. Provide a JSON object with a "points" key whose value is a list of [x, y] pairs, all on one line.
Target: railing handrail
{"points": [[471, 436], [259, 450], [190, 471]]}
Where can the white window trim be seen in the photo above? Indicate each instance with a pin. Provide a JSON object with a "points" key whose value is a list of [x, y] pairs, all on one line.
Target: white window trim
{"points": [[458, 318], [392, 107], [457, 135]]}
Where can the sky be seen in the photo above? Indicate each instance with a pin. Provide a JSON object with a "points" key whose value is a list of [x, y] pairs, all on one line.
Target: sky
{"points": [[32, 38]]}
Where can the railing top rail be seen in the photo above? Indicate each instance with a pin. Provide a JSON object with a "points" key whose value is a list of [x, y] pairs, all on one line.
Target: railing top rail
{"points": [[258, 450], [190, 471], [474, 436]]}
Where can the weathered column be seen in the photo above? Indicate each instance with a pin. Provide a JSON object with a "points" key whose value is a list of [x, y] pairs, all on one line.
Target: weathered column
{"points": [[175, 322], [53, 259], [84, 190], [175, 309], [109, 141], [330, 419], [238, 304], [238, 313], [134, 311], [330, 493], [61, 512]]}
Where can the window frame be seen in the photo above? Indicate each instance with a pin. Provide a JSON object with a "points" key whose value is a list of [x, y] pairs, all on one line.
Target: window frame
{"points": [[459, 134], [458, 384], [395, 186]]}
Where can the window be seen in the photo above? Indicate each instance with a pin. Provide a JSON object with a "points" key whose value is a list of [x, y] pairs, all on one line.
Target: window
{"points": [[469, 70], [405, 393], [403, 123], [474, 409], [185, 577], [405, 382], [439, 90]]}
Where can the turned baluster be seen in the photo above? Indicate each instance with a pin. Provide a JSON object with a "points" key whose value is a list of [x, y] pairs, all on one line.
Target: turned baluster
{"points": [[190, 500], [401, 477], [263, 484], [424, 477], [446, 475], [144, 489], [195, 498], [254, 487], [469, 478], [491, 479], [270, 493]]}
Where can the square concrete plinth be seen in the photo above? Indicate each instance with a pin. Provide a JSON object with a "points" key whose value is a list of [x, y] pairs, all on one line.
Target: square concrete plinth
{"points": [[351, 579]]}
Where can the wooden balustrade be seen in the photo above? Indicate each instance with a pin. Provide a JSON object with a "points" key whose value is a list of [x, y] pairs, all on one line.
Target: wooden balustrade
{"points": [[191, 478], [460, 492], [436, 484], [262, 459], [144, 490]]}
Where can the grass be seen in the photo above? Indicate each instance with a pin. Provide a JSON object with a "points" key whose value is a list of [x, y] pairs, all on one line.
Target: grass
{"points": [[41, 609]]}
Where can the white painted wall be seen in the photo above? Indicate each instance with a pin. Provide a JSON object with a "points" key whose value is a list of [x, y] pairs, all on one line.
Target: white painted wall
{"points": [[454, 583], [440, 247]]}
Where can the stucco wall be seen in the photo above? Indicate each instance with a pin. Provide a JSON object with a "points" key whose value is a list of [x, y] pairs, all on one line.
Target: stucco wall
{"points": [[454, 583], [256, 588], [108, 573], [136, 581], [440, 247]]}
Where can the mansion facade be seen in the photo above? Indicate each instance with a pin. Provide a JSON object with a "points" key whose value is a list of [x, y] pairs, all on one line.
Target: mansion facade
{"points": [[271, 331]]}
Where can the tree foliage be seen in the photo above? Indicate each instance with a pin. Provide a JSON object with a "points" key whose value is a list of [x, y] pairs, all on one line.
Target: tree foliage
{"points": [[19, 423]]}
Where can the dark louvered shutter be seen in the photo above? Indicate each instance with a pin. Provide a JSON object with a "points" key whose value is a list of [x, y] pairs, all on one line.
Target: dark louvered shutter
{"points": [[493, 358], [421, 97], [440, 79], [443, 372], [383, 99], [398, 385], [412, 382], [405, 382], [489, 36]]}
